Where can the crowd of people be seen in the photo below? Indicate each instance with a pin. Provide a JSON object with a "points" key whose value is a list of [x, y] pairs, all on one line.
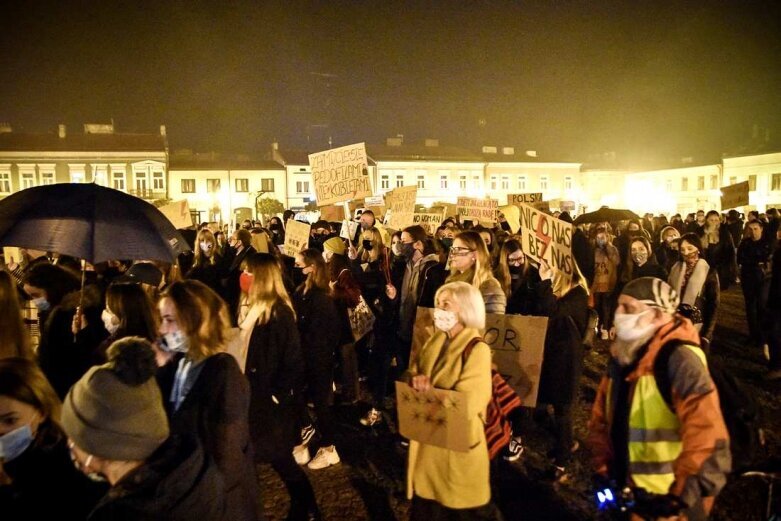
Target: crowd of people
{"points": [[152, 391]]}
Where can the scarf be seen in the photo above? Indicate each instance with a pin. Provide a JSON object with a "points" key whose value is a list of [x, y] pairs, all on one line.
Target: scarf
{"points": [[688, 282]]}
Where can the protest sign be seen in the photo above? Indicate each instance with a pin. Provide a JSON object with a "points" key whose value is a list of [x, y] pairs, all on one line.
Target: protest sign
{"points": [[340, 174], [529, 199], [12, 255], [511, 214], [332, 214], [178, 213], [734, 196], [517, 345], [348, 230], [429, 221], [437, 417], [296, 237], [546, 238], [450, 209], [474, 209], [400, 204], [375, 200]]}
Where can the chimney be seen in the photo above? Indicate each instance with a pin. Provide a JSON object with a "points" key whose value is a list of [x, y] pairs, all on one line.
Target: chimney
{"points": [[432, 143], [5, 128], [62, 131], [162, 130]]}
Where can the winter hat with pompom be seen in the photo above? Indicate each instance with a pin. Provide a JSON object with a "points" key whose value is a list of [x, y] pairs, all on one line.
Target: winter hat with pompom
{"points": [[115, 411]]}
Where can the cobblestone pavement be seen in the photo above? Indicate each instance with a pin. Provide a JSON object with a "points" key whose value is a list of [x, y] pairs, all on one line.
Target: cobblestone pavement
{"points": [[369, 483]]}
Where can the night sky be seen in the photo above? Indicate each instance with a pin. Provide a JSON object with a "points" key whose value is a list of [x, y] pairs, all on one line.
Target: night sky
{"points": [[649, 80]]}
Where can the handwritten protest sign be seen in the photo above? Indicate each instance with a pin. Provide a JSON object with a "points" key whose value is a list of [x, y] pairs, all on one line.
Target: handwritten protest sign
{"points": [[450, 209], [429, 221], [529, 198], [511, 214], [517, 344], [734, 196], [178, 213], [400, 202], [296, 237], [546, 238], [348, 230], [483, 210], [375, 200], [332, 214], [340, 174], [437, 417], [12, 255]]}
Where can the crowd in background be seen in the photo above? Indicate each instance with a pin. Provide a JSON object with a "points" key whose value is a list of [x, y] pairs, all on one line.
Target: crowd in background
{"points": [[152, 392]]}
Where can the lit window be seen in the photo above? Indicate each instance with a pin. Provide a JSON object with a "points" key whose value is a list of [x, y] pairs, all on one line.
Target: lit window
{"points": [[714, 182], [141, 181], [242, 185], [158, 181], [118, 177], [568, 183], [543, 183], [302, 187], [775, 182], [421, 181], [267, 185], [701, 182], [505, 183], [752, 183], [77, 174], [493, 182], [188, 186], [213, 185], [442, 182], [462, 182], [47, 178], [399, 181], [476, 182], [100, 174], [5, 182], [27, 177], [385, 182], [522, 183], [684, 184]]}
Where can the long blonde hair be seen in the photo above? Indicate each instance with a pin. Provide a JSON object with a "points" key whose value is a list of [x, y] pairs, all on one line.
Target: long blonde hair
{"points": [[482, 266], [202, 315], [14, 339], [200, 257], [267, 288], [562, 286]]}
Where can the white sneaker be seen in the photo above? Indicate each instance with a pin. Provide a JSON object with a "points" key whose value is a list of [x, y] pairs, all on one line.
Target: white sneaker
{"points": [[325, 457], [301, 454]]}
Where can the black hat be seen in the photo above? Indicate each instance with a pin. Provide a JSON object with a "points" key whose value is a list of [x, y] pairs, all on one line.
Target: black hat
{"points": [[145, 272]]}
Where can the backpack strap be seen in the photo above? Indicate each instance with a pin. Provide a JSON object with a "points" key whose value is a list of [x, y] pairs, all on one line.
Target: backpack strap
{"points": [[468, 349], [662, 370]]}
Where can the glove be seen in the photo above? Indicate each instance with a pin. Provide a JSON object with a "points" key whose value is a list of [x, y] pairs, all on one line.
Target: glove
{"points": [[657, 505]]}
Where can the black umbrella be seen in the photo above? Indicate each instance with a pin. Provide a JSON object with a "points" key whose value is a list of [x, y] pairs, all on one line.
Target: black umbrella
{"points": [[89, 222], [604, 215]]}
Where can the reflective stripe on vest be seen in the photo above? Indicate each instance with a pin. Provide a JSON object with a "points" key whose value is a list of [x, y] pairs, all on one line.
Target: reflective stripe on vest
{"points": [[654, 435]]}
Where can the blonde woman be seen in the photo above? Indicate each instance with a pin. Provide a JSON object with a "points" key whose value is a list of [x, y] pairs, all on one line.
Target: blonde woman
{"points": [[204, 390], [441, 483], [207, 265], [470, 263], [14, 338], [275, 369]]}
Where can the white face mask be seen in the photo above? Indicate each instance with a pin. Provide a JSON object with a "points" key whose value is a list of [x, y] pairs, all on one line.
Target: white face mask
{"points": [[206, 247], [627, 328], [110, 321], [14, 443], [41, 303], [175, 342], [445, 320]]}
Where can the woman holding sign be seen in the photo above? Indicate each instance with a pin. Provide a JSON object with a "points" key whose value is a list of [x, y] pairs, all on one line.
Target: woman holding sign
{"points": [[442, 483]]}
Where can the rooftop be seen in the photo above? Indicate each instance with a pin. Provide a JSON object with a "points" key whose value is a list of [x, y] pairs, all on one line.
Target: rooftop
{"points": [[81, 142]]}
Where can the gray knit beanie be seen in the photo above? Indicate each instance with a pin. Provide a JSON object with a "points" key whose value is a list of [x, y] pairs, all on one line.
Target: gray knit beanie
{"points": [[115, 411]]}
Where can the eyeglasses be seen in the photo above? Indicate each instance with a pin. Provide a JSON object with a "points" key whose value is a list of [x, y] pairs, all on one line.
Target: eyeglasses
{"points": [[458, 251], [516, 261]]}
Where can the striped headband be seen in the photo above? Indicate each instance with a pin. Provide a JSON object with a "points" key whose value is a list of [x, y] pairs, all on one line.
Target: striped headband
{"points": [[653, 292]]}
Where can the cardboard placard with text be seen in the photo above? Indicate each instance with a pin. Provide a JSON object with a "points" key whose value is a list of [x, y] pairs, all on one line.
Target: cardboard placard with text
{"points": [[178, 213], [12, 255], [437, 417], [511, 214], [734, 196], [450, 209], [475, 209], [340, 174], [296, 237], [517, 345], [332, 214], [529, 198], [543, 237], [429, 221], [400, 205]]}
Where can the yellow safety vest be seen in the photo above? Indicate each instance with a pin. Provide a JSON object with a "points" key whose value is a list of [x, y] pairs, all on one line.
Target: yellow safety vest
{"points": [[654, 434]]}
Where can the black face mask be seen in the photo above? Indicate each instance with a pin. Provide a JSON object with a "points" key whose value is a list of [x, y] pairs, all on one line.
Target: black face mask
{"points": [[367, 245], [447, 243], [298, 276], [516, 270], [407, 250]]}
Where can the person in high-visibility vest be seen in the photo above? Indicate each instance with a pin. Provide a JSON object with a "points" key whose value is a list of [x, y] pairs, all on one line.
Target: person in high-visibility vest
{"points": [[679, 456]]}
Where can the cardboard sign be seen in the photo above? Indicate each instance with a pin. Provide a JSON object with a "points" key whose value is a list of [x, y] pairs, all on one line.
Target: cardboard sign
{"points": [[517, 345], [375, 200], [450, 209], [12, 255], [178, 213], [512, 215], [436, 417], [340, 174], [429, 221], [529, 199], [296, 237], [546, 238], [734, 196], [348, 230], [483, 210], [400, 203], [332, 214]]}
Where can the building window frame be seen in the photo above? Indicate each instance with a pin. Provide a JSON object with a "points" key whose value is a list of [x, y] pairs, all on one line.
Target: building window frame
{"points": [[684, 184], [302, 187], [701, 182], [752, 183], [118, 176], [543, 183], [158, 180], [775, 182], [443, 182], [100, 174], [267, 184], [5, 179], [77, 173], [714, 182], [213, 185], [28, 177], [568, 183], [187, 185], [241, 185], [384, 182], [421, 182]]}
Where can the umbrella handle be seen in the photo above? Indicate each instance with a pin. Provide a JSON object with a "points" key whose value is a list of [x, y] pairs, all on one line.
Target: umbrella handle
{"points": [[81, 293]]}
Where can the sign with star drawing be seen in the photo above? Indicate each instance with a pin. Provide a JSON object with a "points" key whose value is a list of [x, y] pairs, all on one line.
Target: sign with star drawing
{"points": [[436, 417], [546, 238]]}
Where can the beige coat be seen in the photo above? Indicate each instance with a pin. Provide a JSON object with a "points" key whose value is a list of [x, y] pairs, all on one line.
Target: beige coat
{"points": [[454, 479]]}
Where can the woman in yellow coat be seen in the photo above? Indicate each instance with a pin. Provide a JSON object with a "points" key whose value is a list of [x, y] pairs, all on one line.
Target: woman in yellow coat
{"points": [[446, 484]]}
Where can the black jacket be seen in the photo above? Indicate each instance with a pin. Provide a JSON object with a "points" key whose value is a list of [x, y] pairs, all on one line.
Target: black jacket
{"points": [[584, 254], [216, 409], [753, 257], [316, 313], [523, 299], [275, 370], [721, 256], [774, 293], [177, 482], [45, 484]]}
